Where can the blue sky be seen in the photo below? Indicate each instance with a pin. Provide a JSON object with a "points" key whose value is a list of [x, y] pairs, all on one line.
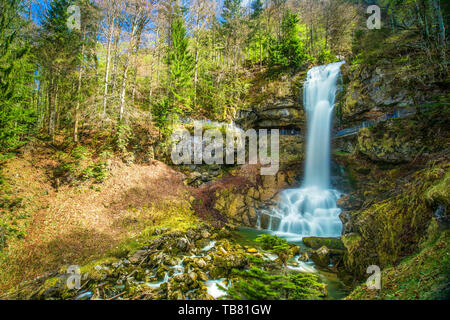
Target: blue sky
{"points": [[37, 4]]}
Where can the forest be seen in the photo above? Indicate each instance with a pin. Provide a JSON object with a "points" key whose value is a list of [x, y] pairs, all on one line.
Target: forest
{"points": [[92, 91]]}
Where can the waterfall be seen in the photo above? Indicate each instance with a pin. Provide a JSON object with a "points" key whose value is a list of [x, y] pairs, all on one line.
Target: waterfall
{"points": [[311, 209]]}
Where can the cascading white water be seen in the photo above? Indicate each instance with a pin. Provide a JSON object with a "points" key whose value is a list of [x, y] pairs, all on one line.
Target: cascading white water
{"points": [[311, 210]]}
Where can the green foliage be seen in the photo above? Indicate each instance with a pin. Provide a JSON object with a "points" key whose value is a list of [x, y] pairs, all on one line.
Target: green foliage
{"points": [[161, 113], [97, 171], [181, 66], [421, 276], [269, 242], [123, 136], [289, 50], [258, 284], [326, 57], [17, 118], [276, 245], [257, 7], [80, 165], [80, 153], [219, 101], [65, 168]]}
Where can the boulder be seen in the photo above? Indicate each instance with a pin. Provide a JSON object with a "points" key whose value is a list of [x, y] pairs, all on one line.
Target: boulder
{"points": [[138, 256], [349, 202], [183, 244], [327, 258], [318, 242], [321, 257]]}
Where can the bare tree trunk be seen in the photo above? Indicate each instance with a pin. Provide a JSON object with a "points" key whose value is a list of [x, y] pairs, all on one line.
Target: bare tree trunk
{"points": [[77, 107], [50, 105], [108, 62], [124, 85], [260, 52], [53, 102], [125, 70], [441, 33], [151, 81], [57, 113], [136, 55], [440, 19], [116, 57], [158, 67]]}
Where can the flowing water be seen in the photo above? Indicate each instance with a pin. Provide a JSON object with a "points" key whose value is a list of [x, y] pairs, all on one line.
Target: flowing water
{"points": [[311, 209], [335, 287]]}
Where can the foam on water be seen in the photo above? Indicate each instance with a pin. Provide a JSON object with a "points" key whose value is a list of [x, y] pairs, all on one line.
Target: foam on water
{"points": [[213, 288], [311, 210]]}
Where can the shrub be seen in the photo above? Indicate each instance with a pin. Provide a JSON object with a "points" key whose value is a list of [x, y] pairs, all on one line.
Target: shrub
{"points": [[257, 284]]}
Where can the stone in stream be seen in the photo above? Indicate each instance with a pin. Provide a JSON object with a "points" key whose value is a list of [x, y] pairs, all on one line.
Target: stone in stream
{"points": [[201, 263], [329, 242], [138, 256], [183, 244]]}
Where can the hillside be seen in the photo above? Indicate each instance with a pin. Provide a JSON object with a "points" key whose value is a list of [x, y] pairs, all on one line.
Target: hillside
{"points": [[89, 182]]}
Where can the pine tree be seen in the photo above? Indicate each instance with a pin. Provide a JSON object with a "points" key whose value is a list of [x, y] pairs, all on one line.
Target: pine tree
{"points": [[181, 65], [289, 50], [59, 52], [257, 7], [17, 117]]}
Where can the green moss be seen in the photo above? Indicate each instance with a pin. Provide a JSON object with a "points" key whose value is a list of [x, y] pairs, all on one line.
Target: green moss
{"points": [[54, 283], [439, 193], [424, 275], [172, 216], [258, 284], [317, 242], [391, 229]]}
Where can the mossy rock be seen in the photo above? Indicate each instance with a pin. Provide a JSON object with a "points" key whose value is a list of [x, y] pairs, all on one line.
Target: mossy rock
{"points": [[391, 229], [438, 194], [419, 276], [317, 242]]}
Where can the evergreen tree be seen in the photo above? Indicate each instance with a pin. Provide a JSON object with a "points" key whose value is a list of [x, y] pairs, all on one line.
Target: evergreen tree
{"points": [[59, 52], [257, 7], [289, 50], [17, 116], [181, 65]]}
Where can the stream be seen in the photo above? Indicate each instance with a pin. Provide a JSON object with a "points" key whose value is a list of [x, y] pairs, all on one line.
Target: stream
{"points": [[335, 287]]}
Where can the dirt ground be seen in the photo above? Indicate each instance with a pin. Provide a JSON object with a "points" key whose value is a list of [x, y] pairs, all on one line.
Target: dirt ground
{"points": [[75, 223]]}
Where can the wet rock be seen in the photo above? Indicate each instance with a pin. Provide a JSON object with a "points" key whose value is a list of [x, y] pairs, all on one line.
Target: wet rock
{"points": [[321, 257], [347, 222], [349, 202], [84, 296], [200, 263], [193, 276], [138, 256], [440, 214], [160, 231], [179, 277], [183, 244], [205, 234], [327, 258], [203, 276], [304, 257], [192, 234], [318, 242], [387, 143]]}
